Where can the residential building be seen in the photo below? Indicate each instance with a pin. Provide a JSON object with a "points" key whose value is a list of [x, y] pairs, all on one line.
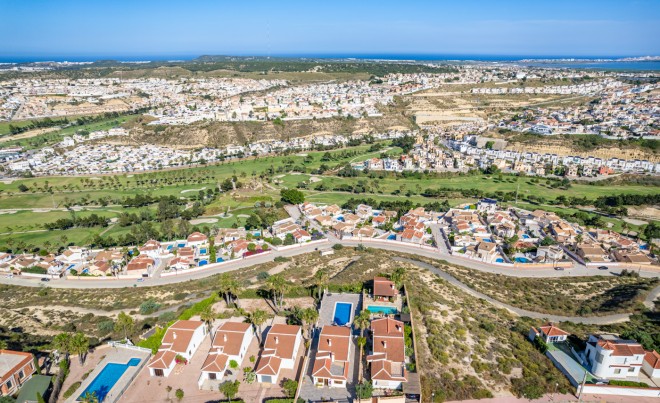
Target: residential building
{"points": [[612, 357], [182, 340], [279, 352], [16, 368], [333, 356]]}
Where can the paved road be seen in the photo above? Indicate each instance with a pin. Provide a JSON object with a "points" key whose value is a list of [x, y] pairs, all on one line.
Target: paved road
{"points": [[592, 320], [259, 259]]}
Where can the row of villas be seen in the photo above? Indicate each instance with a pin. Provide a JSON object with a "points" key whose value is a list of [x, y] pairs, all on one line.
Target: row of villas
{"points": [[365, 222], [488, 233]]}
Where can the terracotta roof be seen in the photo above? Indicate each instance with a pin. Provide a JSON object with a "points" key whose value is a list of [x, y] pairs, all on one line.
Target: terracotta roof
{"points": [[268, 365], [384, 287], [282, 340], [551, 330], [653, 359], [178, 336], [216, 361], [196, 237], [335, 340], [388, 339], [163, 359], [229, 337]]}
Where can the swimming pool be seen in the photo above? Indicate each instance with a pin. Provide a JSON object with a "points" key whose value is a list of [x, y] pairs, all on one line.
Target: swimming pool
{"points": [[388, 310], [522, 260], [391, 237], [343, 313], [107, 378], [525, 236]]}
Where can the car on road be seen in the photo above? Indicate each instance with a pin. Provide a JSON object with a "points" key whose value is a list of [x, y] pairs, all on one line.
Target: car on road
{"points": [[141, 279], [45, 279], [559, 268], [9, 276], [603, 268]]}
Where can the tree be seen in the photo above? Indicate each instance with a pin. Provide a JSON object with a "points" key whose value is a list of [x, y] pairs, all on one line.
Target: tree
{"points": [[364, 390], [89, 397], [124, 324], [3, 345], [308, 317], [229, 288], [208, 316], [320, 280], [292, 196], [80, 346], [62, 343], [362, 321], [398, 276], [179, 394], [278, 285], [290, 387], [229, 389], [257, 318]]}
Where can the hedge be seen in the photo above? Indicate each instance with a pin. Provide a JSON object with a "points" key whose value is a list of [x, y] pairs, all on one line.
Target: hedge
{"points": [[72, 389], [628, 383]]}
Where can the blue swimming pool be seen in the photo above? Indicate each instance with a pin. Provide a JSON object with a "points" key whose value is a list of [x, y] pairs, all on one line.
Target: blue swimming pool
{"points": [[499, 260], [218, 260], [525, 236], [391, 237], [106, 379], [203, 262], [342, 314], [388, 310], [522, 260]]}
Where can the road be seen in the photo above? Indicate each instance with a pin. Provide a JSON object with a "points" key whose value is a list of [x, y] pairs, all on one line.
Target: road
{"points": [[589, 320]]}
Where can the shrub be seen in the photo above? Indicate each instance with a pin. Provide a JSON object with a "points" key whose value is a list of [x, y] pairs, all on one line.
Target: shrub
{"points": [[629, 383], [364, 390], [71, 390], [337, 246], [179, 394], [290, 386], [105, 327], [149, 306]]}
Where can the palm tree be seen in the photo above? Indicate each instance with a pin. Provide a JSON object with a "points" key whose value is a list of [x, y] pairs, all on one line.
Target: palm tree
{"points": [[319, 281], [89, 397], [124, 324], [62, 343], [398, 276], [278, 285], [235, 288], [257, 318], [308, 317], [80, 346], [208, 316], [227, 286], [362, 321]]}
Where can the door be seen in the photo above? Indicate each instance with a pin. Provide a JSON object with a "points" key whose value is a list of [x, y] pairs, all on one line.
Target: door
{"points": [[212, 376], [159, 372]]}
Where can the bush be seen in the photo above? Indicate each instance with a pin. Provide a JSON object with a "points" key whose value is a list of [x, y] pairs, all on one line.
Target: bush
{"points": [[337, 246], [364, 390], [105, 327], [167, 316], [629, 383], [72, 389], [290, 386], [149, 306]]}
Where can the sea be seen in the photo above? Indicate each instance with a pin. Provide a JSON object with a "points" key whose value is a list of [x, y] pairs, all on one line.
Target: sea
{"points": [[592, 62]]}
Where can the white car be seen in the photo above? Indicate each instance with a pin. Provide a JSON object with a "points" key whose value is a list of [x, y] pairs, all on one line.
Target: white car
{"points": [[9, 276]]}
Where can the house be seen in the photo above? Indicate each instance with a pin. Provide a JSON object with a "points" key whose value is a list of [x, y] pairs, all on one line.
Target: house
{"points": [[488, 206], [151, 248], [387, 361], [333, 356], [592, 253], [230, 343], [196, 239], [239, 247], [181, 339], [634, 257], [180, 263], [487, 251], [226, 235], [651, 364], [364, 211], [549, 333], [73, 254], [384, 289], [142, 265], [301, 236], [16, 368], [279, 352], [324, 220], [100, 268], [612, 357]]}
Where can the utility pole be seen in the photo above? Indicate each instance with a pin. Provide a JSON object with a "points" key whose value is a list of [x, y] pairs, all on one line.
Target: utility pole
{"points": [[584, 380]]}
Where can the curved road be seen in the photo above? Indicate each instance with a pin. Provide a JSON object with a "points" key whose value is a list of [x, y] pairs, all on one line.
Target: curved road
{"points": [[393, 246], [590, 320]]}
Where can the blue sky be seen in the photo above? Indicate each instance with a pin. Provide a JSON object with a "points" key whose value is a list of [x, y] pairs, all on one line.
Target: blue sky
{"points": [[42, 29]]}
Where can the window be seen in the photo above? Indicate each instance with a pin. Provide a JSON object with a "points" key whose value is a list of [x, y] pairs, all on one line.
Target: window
{"points": [[21, 374], [631, 369], [212, 375], [617, 371], [9, 385], [599, 358]]}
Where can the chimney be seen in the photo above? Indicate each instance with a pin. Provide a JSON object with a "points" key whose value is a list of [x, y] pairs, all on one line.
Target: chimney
{"points": [[384, 344], [329, 342], [398, 327], [224, 337], [174, 335], [277, 340]]}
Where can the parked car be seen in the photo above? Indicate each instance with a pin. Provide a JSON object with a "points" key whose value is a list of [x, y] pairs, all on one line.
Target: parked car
{"points": [[9, 275], [559, 268], [45, 279], [603, 268], [141, 279]]}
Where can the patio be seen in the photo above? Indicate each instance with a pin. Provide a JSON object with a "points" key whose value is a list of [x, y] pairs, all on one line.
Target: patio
{"points": [[327, 311]]}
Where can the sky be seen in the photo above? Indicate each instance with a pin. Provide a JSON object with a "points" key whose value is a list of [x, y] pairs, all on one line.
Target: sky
{"points": [[94, 29]]}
